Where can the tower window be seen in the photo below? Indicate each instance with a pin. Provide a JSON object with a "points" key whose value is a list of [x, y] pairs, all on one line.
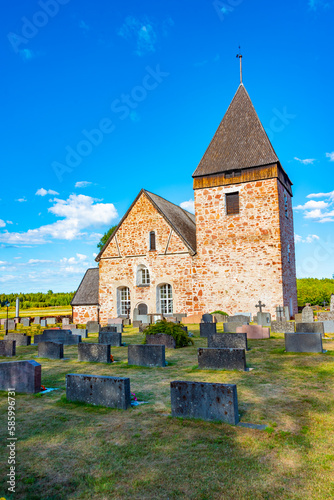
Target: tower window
{"points": [[286, 205], [232, 203], [152, 241], [289, 254]]}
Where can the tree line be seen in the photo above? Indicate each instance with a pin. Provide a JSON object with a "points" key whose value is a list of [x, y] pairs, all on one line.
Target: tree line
{"points": [[314, 291], [39, 299]]}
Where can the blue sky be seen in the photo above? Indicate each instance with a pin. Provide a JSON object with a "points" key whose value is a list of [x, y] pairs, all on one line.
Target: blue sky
{"points": [[101, 99]]}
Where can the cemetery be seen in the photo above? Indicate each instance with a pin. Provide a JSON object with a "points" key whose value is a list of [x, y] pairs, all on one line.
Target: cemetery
{"points": [[198, 409]]}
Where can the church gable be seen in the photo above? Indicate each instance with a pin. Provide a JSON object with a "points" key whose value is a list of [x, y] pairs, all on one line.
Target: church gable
{"points": [[112, 249], [175, 244]]}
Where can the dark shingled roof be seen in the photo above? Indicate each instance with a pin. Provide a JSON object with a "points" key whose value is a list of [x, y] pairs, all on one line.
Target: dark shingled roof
{"points": [[239, 142], [182, 222], [88, 291]]}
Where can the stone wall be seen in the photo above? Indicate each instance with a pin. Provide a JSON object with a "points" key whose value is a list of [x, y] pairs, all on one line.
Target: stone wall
{"points": [[82, 314]]}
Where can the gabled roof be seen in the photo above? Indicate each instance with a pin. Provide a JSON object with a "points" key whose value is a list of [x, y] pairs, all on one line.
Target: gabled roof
{"points": [[239, 142], [182, 221], [88, 291]]}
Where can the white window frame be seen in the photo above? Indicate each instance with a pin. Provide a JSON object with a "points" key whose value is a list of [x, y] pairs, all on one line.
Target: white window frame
{"points": [[165, 298], [143, 276], [123, 301]]}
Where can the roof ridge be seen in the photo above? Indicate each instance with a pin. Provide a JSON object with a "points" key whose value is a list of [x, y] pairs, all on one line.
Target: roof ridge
{"points": [[170, 202]]}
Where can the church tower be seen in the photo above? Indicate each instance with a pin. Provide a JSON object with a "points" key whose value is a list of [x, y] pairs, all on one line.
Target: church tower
{"points": [[244, 219]]}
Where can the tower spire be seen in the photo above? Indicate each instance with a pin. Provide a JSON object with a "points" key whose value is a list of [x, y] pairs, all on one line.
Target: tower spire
{"points": [[240, 58]]}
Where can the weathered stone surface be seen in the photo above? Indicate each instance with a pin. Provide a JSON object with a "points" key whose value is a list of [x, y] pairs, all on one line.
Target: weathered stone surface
{"points": [[143, 326], [228, 341], [118, 327], [80, 331], [60, 336], [65, 321], [136, 324], [23, 376], [25, 321], [83, 314], [185, 328], [307, 314], [221, 359], [207, 329], [126, 322], [192, 319], [263, 319], [71, 327], [93, 327], [11, 324], [37, 320], [50, 321], [255, 332], [113, 392], [146, 355], [315, 327], [238, 318], [115, 321], [7, 348], [220, 318], [303, 342], [328, 326], [20, 339], [231, 326], [51, 350], [298, 317], [94, 353], [114, 339], [282, 326], [208, 318], [161, 339], [172, 319], [247, 315], [325, 315], [205, 401], [280, 316]]}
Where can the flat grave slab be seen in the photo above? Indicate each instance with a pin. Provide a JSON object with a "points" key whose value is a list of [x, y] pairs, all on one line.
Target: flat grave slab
{"points": [[112, 392], [221, 359]]}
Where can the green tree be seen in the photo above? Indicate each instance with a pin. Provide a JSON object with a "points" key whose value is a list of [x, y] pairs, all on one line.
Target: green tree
{"points": [[105, 237]]}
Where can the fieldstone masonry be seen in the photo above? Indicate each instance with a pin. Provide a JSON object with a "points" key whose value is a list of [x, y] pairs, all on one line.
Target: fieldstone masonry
{"points": [[113, 392], [331, 306]]}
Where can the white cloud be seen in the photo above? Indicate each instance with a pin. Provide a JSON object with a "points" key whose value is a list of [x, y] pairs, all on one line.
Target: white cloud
{"points": [[142, 31], [319, 211], [312, 204], [307, 161], [321, 195], [188, 205], [82, 184], [9, 222], [21, 200], [330, 156], [78, 213], [309, 239], [2, 223], [44, 192]]}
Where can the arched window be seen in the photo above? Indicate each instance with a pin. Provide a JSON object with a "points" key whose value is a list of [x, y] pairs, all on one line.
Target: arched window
{"points": [[123, 301], [143, 276], [165, 299], [152, 241], [142, 309]]}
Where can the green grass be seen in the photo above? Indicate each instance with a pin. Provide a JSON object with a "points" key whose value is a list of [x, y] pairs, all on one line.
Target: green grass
{"points": [[74, 451]]}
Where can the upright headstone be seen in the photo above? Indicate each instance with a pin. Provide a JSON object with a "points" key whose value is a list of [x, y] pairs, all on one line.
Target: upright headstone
{"points": [[207, 329], [114, 339], [60, 336], [246, 315], [50, 350], [303, 342], [205, 401], [263, 319], [22, 376], [146, 355], [228, 341], [115, 321], [50, 321], [307, 314], [117, 327], [282, 326], [113, 392], [25, 321], [280, 313], [231, 326], [136, 323], [255, 332], [315, 327], [7, 348], [221, 359], [208, 318], [238, 318], [287, 313], [79, 331], [94, 353], [37, 320], [93, 327], [43, 323], [161, 339], [10, 324], [20, 339], [220, 318], [193, 319], [65, 321]]}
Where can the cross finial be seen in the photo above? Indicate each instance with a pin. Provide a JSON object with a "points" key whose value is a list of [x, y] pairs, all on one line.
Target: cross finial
{"points": [[260, 305], [240, 58]]}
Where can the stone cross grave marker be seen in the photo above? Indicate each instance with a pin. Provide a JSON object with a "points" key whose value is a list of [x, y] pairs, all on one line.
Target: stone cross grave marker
{"points": [[280, 313], [260, 306]]}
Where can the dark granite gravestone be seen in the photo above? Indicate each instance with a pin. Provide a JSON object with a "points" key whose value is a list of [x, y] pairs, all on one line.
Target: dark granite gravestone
{"points": [[207, 329], [94, 353], [113, 392], [146, 355], [51, 350], [307, 314], [113, 339], [50, 321], [20, 339], [255, 332], [93, 327], [205, 401], [228, 341], [136, 324], [115, 327], [263, 319], [208, 318], [303, 342], [22, 376], [25, 321], [143, 326], [60, 336], [315, 327], [231, 326], [80, 331], [7, 348], [221, 359], [282, 326], [239, 318], [11, 324], [161, 339]]}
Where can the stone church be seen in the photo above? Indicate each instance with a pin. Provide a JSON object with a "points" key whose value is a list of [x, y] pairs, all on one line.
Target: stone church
{"points": [[237, 249]]}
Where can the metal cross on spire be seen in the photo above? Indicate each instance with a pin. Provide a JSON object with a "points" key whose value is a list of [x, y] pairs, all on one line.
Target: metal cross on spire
{"points": [[240, 58]]}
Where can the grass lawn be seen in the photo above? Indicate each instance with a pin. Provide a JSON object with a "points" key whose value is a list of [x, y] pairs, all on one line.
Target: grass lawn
{"points": [[75, 451], [43, 311]]}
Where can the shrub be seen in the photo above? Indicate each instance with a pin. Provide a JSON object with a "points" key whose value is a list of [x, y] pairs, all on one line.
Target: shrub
{"points": [[181, 337], [220, 312]]}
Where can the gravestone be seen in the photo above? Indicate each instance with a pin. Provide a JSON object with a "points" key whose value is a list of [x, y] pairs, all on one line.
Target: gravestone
{"points": [[71, 327], [65, 321], [228, 341], [161, 339], [220, 318], [37, 320], [7, 348], [22, 376], [43, 323], [207, 318], [221, 359], [60, 336], [325, 316], [50, 350], [117, 327], [287, 313], [307, 314], [127, 322], [254, 332], [146, 355], [298, 317], [143, 326], [94, 353], [80, 331], [25, 321], [239, 318], [136, 324], [113, 339], [231, 326], [93, 327], [205, 401], [11, 324], [207, 329], [179, 316], [21, 339], [50, 321], [282, 326], [328, 326], [113, 392], [115, 321], [303, 342], [263, 319], [331, 306], [193, 319], [246, 315], [315, 327], [2, 321]]}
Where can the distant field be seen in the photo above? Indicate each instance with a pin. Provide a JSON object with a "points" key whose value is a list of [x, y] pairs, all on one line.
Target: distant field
{"points": [[43, 311]]}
